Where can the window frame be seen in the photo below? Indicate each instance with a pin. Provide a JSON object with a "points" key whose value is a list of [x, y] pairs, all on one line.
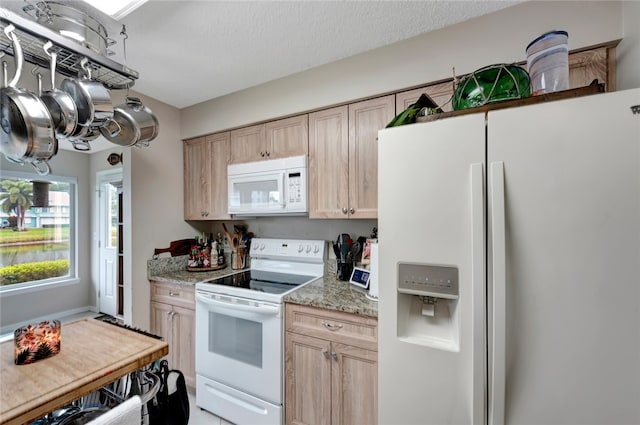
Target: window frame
{"points": [[72, 278]]}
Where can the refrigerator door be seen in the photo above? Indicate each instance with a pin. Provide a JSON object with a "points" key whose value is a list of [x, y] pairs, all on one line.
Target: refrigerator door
{"points": [[571, 297], [431, 358]]}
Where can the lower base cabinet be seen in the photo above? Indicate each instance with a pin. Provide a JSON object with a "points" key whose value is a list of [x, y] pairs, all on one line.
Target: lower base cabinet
{"points": [[331, 367], [173, 318]]}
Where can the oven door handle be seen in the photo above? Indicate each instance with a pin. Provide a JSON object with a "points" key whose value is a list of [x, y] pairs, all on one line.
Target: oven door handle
{"points": [[261, 309]]}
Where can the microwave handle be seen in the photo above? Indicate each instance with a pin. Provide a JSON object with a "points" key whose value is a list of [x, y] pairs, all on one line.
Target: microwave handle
{"points": [[263, 309]]}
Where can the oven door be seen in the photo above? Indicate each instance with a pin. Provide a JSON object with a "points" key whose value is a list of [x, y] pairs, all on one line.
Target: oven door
{"points": [[239, 343]]}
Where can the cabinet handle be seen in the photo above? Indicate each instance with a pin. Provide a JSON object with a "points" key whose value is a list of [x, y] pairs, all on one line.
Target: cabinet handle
{"points": [[351, 210], [334, 355], [262, 154], [325, 353], [174, 294], [268, 153], [331, 326], [344, 211]]}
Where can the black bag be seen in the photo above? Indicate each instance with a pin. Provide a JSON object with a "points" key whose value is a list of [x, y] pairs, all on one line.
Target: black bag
{"points": [[171, 405]]}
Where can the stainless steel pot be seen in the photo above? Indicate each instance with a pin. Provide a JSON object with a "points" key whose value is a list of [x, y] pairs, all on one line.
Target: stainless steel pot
{"points": [[62, 108], [27, 133], [132, 124], [91, 98]]}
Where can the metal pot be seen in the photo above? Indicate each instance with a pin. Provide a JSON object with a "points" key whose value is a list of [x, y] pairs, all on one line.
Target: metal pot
{"points": [[91, 98], [27, 133], [62, 108], [136, 123]]}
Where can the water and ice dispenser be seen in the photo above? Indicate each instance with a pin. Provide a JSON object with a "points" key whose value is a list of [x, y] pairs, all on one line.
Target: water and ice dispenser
{"points": [[428, 312]]}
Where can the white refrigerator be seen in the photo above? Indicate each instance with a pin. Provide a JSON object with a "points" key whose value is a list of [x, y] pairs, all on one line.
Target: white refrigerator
{"points": [[509, 266]]}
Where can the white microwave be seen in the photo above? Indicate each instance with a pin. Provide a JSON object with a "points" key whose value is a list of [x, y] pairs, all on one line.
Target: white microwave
{"points": [[270, 187]]}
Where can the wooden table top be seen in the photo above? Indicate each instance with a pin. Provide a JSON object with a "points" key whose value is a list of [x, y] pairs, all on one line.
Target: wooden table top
{"points": [[92, 355]]}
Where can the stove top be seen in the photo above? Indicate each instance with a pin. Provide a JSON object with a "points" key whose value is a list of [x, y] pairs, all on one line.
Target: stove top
{"points": [[279, 266]]}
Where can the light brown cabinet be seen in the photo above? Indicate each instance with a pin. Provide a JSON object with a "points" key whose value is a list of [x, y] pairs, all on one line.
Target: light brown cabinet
{"points": [[330, 367], [275, 139], [343, 158], [205, 177], [173, 318]]}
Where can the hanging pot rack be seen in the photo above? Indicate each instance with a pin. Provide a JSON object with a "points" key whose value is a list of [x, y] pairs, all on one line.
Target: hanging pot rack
{"points": [[33, 37]]}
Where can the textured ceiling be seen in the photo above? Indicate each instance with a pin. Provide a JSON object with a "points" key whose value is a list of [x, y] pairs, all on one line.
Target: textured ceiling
{"points": [[190, 51]]}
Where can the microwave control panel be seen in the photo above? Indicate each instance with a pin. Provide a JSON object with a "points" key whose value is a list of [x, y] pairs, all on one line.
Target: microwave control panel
{"points": [[428, 280], [295, 188]]}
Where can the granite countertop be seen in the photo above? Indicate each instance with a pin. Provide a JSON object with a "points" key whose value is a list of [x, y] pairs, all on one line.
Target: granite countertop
{"points": [[327, 292]]}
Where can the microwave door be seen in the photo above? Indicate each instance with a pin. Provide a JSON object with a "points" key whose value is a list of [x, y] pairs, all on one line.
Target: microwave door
{"points": [[254, 193]]}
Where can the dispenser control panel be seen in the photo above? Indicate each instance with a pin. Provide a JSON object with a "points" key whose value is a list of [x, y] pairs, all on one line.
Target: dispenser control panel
{"points": [[428, 280]]}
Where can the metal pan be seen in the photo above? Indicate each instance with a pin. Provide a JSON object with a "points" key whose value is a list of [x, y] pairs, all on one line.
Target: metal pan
{"points": [[26, 133], [62, 108], [132, 124], [91, 98]]}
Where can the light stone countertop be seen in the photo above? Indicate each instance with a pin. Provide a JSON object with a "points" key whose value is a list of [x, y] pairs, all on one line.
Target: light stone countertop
{"points": [[327, 292]]}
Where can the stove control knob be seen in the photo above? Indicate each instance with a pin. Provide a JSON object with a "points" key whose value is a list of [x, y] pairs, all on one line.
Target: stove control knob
{"points": [[316, 249], [300, 248], [254, 247], [308, 249], [261, 247]]}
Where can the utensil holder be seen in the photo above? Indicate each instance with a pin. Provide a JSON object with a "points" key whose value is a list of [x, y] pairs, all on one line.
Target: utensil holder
{"points": [[345, 267], [238, 258]]}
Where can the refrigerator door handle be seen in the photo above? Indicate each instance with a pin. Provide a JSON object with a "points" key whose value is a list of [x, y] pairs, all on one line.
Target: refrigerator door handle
{"points": [[478, 293], [498, 273]]}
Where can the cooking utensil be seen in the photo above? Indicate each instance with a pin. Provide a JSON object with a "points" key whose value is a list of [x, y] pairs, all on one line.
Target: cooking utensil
{"points": [[61, 106], [179, 247], [132, 124], [27, 129], [91, 98], [233, 240]]}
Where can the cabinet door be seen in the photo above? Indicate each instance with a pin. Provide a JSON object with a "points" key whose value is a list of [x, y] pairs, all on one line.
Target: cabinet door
{"points": [[184, 343], [354, 387], [287, 137], [584, 67], [329, 163], [365, 119], [307, 380], [160, 322], [196, 156], [219, 146], [440, 93], [248, 144]]}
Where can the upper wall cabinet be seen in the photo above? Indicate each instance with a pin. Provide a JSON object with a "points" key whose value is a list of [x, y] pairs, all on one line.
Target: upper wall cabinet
{"points": [[205, 177], [343, 158], [275, 139]]}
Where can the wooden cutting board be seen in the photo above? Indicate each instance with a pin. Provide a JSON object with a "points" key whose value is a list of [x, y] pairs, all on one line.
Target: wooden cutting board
{"points": [[92, 355], [179, 247]]}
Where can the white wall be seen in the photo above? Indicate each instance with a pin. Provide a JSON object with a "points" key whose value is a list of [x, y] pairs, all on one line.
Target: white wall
{"points": [[494, 38], [628, 50]]}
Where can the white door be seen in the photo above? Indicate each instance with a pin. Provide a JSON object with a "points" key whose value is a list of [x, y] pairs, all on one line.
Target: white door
{"points": [[110, 185], [572, 250], [431, 368]]}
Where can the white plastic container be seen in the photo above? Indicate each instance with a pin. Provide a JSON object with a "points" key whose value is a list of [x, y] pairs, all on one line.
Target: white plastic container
{"points": [[548, 62]]}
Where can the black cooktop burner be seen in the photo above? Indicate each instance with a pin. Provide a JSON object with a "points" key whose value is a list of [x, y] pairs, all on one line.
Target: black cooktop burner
{"points": [[263, 281]]}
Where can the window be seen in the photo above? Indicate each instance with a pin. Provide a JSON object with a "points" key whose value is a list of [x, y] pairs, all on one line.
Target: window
{"points": [[37, 236]]}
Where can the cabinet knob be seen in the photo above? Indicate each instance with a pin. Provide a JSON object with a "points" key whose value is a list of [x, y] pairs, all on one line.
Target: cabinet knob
{"points": [[351, 210], [174, 294], [331, 326], [262, 154], [325, 353], [344, 211], [268, 153], [334, 355]]}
